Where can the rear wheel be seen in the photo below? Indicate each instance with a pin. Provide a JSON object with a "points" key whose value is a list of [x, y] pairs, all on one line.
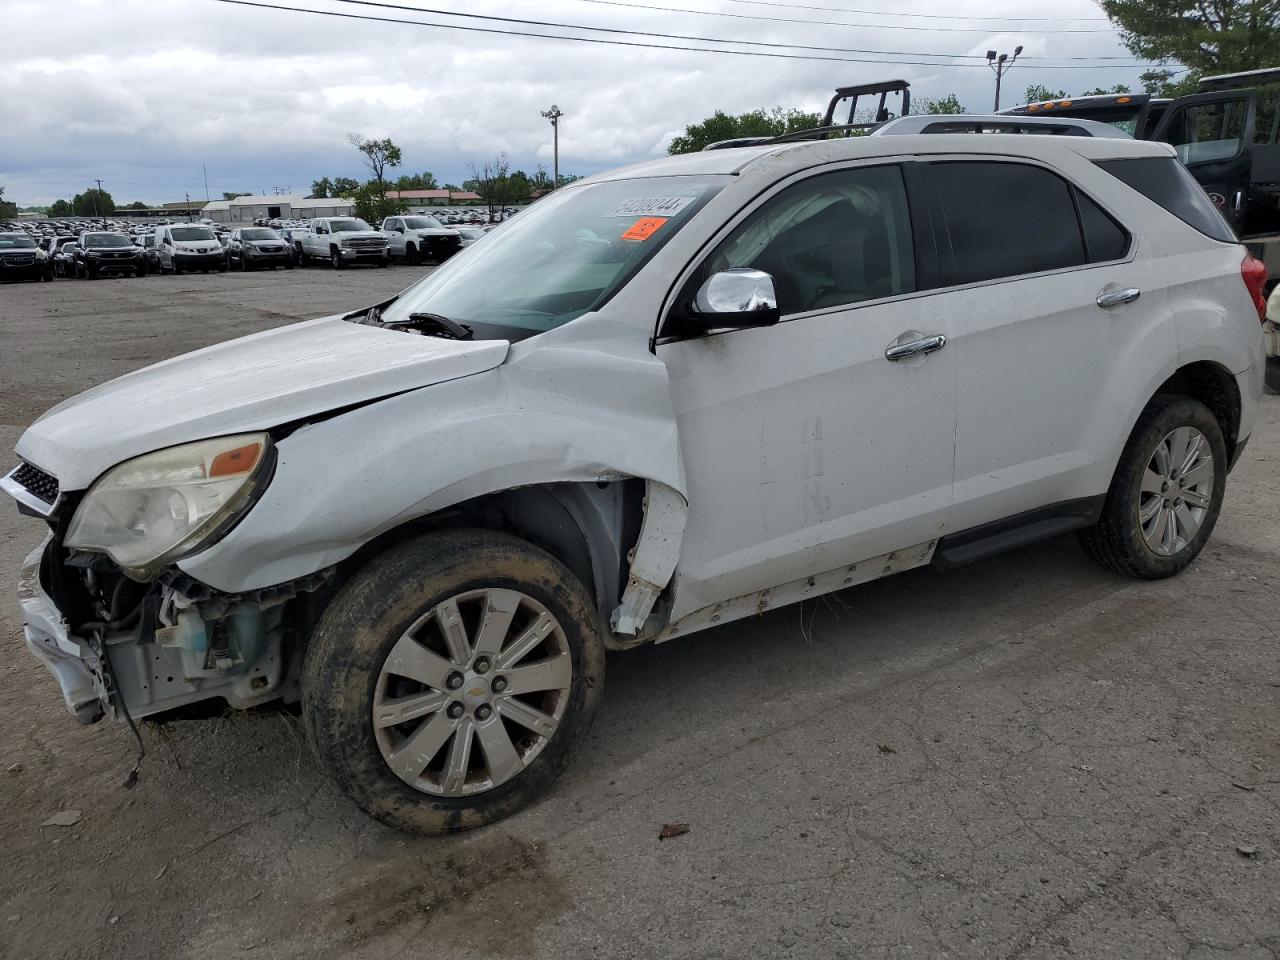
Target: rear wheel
{"points": [[452, 679], [1166, 494]]}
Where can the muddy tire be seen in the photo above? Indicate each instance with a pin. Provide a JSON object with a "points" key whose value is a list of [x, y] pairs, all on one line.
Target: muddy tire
{"points": [[468, 753], [1166, 493]]}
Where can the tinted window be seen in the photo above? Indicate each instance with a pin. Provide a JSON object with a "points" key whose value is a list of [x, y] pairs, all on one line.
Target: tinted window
{"points": [[1104, 239], [1007, 219], [1207, 131], [191, 233], [831, 240], [1165, 181]]}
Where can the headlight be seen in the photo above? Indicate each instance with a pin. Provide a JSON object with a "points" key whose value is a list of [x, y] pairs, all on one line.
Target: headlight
{"points": [[150, 511]]}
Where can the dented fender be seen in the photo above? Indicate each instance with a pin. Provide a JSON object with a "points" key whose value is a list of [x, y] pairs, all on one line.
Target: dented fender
{"points": [[585, 402]]}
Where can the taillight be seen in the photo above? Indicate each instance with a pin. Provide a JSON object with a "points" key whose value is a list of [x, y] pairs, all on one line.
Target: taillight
{"points": [[1254, 272]]}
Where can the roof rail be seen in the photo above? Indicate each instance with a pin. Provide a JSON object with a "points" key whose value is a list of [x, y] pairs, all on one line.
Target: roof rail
{"points": [[999, 123]]}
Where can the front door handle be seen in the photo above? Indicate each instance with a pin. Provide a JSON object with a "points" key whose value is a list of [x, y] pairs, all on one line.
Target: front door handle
{"points": [[1114, 298], [914, 344]]}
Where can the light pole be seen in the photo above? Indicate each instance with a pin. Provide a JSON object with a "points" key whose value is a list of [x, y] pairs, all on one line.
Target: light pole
{"points": [[1000, 64], [554, 116]]}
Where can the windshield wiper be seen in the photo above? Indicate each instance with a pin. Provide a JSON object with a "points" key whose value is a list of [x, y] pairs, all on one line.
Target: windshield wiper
{"points": [[437, 325]]}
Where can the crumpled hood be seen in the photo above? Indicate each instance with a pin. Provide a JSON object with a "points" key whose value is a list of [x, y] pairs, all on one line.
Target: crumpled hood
{"points": [[252, 383]]}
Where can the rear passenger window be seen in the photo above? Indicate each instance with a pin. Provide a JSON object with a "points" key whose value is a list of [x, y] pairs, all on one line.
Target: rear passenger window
{"points": [[1007, 219], [1104, 239]]}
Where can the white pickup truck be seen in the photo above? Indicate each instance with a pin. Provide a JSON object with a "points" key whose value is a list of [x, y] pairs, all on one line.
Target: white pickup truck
{"points": [[418, 238], [341, 241]]}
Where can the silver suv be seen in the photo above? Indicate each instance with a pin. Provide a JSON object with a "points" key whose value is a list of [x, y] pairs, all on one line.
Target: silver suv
{"points": [[660, 400]]}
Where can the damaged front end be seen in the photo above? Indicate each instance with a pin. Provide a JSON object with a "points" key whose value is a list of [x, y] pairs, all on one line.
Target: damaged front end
{"points": [[114, 644]]}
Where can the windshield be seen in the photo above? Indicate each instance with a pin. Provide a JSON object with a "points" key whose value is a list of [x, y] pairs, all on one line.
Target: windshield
{"points": [[11, 242], [106, 240], [422, 223], [563, 257], [258, 233], [348, 226], [191, 233]]}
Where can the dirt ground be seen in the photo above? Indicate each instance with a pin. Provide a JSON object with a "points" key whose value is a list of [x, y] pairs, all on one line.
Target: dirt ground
{"points": [[1026, 757]]}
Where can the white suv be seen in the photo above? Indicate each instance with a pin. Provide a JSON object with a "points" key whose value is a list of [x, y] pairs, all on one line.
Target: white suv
{"points": [[662, 399]]}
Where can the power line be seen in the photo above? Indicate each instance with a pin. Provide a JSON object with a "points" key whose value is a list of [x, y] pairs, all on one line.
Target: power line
{"points": [[832, 23], [560, 25], [881, 13], [638, 44]]}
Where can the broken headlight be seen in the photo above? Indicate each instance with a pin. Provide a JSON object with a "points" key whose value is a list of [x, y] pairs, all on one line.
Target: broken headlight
{"points": [[147, 512]]}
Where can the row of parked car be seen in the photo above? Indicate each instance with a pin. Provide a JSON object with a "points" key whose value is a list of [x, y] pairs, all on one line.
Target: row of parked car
{"points": [[174, 248]]}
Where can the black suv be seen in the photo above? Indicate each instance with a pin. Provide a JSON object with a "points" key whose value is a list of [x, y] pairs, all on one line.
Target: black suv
{"points": [[22, 259], [100, 253]]}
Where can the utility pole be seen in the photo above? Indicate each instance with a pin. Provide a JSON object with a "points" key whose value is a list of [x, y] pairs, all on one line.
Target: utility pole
{"points": [[188, 195], [96, 196], [1000, 64], [206, 182], [554, 116]]}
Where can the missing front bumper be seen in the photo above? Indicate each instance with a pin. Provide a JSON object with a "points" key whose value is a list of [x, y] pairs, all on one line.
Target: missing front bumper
{"points": [[71, 661]]}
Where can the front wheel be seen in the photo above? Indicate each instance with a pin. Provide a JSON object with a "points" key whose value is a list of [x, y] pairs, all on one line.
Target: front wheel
{"points": [[452, 680], [1166, 494], [335, 258]]}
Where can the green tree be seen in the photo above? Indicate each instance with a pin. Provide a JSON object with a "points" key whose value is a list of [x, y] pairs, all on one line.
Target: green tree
{"points": [[426, 180], [1106, 91], [60, 208], [373, 205], [1206, 36], [136, 205], [93, 203], [322, 187], [948, 104], [233, 194], [8, 209], [1038, 92], [757, 123], [378, 155]]}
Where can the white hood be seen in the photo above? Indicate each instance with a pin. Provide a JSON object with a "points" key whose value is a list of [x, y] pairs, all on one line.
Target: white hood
{"points": [[252, 383]]}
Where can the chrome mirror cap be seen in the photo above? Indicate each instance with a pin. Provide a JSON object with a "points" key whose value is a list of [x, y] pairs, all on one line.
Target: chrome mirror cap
{"points": [[740, 290]]}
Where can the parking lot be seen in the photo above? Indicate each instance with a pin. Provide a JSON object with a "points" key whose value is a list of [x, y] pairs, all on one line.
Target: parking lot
{"points": [[1025, 757]]}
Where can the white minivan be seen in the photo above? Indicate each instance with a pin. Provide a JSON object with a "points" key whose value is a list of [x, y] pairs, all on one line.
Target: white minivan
{"points": [[189, 246], [661, 399]]}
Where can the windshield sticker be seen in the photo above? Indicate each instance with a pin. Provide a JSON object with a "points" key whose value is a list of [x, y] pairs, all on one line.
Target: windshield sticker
{"points": [[644, 228], [650, 207]]}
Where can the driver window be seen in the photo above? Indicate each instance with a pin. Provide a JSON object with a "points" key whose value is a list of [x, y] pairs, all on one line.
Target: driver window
{"points": [[1208, 131], [835, 239]]}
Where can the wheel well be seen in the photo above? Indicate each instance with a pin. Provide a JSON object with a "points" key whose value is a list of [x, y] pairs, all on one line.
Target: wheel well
{"points": [[1215, 387], [589, 527]]}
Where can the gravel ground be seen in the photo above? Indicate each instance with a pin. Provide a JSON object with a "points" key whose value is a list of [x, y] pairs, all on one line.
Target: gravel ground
{"points": [[1026, 757]]}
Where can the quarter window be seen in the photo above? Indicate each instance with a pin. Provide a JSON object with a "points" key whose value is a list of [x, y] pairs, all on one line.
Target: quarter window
{"points": [[834, 239], [1007, 219], [1104, 239]]}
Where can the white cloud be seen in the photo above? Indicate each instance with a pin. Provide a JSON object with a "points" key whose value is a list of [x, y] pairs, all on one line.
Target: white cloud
{"points": [[142, 93]]}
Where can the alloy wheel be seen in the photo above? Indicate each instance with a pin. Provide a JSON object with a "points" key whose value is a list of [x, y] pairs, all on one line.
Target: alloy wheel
{"points": [[1177, 490], [472, 692]]}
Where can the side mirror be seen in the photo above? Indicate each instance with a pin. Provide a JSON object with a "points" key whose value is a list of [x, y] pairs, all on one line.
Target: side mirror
{"points": [[739, 297]]}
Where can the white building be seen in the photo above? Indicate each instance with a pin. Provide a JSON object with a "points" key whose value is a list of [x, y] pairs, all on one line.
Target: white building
{"points": [[286, 207]]}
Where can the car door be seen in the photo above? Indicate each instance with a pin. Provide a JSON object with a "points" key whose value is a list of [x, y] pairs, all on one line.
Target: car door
{"points": [[1048, 306], [806, 447], [1213, 134]]}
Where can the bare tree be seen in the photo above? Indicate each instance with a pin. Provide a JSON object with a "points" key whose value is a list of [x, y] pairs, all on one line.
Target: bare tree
{"points": [[491, 181]]}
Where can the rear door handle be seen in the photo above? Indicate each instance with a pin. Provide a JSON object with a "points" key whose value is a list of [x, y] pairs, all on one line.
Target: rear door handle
{"points": [[914, 344], [1113, 298]]}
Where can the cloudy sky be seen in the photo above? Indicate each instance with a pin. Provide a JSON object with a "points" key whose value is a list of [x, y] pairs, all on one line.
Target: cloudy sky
{"points": [[141, 93]]}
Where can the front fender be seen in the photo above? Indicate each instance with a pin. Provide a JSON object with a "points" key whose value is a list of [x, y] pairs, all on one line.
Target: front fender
{"points": [[586, 402]]}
